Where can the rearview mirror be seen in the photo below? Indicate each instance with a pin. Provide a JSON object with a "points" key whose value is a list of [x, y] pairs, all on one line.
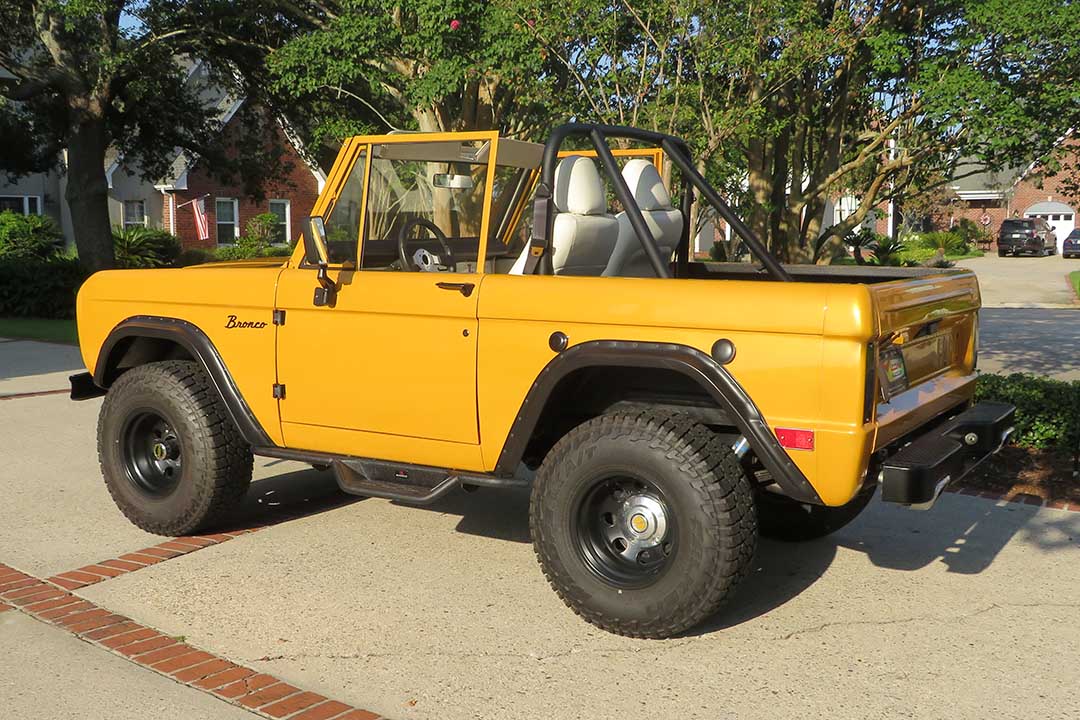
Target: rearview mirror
{"points": [[450, 181], [315, 251]]}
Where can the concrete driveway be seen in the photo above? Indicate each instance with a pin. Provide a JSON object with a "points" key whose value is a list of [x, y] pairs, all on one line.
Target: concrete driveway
{"points": [[1024, 282], [357, 608]]}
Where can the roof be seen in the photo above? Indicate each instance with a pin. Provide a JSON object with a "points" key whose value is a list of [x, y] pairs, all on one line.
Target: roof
{"points": [[1049, 208], [975, 182]]}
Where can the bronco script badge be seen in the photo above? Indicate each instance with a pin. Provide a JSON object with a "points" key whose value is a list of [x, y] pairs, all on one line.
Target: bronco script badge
{"points": [[232, 322]]}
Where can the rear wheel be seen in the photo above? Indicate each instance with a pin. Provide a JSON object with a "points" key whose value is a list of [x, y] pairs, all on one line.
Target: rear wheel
{"points": [[1002, 253], [171, 456], [643, 523], [782, 518]]}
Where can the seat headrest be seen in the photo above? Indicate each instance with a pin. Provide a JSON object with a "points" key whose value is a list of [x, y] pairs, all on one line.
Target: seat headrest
{"points": [[578, 188], [646, 186]]}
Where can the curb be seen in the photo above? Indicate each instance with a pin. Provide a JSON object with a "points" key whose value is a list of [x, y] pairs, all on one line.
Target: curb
{"points": [[263, 694]]}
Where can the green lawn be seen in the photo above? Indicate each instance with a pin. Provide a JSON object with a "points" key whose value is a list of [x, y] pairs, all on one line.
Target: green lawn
{"points": [[62, 331], [1074, 281]]}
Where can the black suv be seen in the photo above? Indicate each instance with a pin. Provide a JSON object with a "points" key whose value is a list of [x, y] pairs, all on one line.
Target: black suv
{"points": [[1026, 235]]}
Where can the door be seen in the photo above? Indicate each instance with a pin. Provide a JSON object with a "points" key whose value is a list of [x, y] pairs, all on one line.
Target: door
{"points": [[393, 361]]}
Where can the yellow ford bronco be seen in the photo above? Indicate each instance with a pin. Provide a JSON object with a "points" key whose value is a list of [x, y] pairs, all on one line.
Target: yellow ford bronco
{"points": [[432, 332]]}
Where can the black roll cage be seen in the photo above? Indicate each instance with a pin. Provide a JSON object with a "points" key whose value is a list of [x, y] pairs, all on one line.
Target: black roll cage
{"points": [[678, 153]]}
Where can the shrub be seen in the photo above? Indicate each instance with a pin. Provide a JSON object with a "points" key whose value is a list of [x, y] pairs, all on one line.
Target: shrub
{"points": [[972, 233], [244, 249], [261, 228], [952, 243], [886, 251], [195, 256], [29, 237], [140, 247], [1047, 411], [39, 288]]}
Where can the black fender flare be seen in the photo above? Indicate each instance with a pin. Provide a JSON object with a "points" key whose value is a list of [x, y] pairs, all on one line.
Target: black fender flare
{"points": [[199, 346], [695, 364]]}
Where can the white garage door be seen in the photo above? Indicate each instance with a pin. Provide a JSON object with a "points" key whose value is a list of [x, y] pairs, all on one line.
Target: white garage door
{"points": [[1060, 216]]}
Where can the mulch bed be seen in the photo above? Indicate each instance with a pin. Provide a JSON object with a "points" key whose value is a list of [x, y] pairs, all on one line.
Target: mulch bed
{"points": [[1046, 474]]}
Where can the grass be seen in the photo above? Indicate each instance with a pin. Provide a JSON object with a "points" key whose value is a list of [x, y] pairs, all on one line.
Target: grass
{"points": [[61, 331], [1074, 281]]}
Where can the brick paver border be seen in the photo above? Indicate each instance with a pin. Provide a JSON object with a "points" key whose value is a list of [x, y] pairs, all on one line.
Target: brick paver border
{"points": [[263, 694], [175, 547]]}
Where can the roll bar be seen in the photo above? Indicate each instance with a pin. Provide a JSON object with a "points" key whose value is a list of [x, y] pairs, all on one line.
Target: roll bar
{"points": [[679, 154]]}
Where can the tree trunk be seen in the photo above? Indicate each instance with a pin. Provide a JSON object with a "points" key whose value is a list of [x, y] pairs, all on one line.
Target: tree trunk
{"points": [[88, 193]]}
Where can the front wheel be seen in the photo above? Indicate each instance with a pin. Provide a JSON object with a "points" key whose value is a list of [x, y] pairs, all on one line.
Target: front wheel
{"points": [[643, 523], [173, 460]]}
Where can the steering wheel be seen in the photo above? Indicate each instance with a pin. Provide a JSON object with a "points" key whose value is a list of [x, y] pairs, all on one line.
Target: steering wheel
{"points": [[403, 238]]}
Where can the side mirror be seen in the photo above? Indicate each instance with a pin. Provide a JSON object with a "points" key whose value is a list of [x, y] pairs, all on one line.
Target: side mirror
{"points": [[316, 253]]}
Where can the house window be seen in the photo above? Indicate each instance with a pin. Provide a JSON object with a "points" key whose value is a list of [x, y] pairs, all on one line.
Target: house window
{"points": [[227, 213], [280, 210], [134, 213], [21, 204]]}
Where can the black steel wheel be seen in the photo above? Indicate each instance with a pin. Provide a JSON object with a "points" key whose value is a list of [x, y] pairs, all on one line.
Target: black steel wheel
{"points": [[152, 453], [625, 531], [643, 522], [172, 458]]}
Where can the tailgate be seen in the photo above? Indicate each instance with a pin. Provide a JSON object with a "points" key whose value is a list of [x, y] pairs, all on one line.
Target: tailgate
{"points": [[926, 330]]}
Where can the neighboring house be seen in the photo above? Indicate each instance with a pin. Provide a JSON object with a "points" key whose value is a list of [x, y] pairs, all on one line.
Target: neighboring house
{"points": [[988, 198], [168, 202], [134, 201]]}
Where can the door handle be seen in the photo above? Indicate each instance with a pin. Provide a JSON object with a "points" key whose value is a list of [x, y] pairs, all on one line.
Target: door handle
{"points": [[463, 288]]}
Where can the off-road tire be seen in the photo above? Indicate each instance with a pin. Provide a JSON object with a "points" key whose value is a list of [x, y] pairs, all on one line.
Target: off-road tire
{"points": [[707, 491], [781, 518], [217, 463]]}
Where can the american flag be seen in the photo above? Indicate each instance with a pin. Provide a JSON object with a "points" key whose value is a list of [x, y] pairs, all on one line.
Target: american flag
{"points": [[201, 225]]}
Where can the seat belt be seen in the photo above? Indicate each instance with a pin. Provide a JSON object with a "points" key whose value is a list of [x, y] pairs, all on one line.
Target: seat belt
{"points": [[538, 242]]}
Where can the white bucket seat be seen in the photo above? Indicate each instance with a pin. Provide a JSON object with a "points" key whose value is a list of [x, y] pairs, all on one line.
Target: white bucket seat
{"points": [[664, 222], [584, 235]]}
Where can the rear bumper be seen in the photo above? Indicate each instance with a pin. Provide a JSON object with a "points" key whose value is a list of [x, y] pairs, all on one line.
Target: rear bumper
{"points": [[921, 470]]}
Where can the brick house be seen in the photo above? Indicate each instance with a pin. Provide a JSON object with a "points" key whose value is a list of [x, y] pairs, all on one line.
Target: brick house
{"points": [[289, 196], [166, 203], [988, 197]]}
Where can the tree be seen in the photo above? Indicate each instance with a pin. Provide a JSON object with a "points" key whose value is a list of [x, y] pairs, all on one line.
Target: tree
{"points": [[793, 103], [432, 65], [84, 75]]}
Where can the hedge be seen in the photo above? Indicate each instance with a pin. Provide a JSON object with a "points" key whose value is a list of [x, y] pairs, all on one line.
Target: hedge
{"points": [[1047, 410], [39, 288]]}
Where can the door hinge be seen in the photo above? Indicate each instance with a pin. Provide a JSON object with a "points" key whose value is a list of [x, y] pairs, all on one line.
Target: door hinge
{"points": [[279, 391], [279, 317]]}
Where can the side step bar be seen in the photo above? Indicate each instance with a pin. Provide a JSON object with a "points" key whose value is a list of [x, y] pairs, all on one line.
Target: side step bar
{"points": [[413, 484]]}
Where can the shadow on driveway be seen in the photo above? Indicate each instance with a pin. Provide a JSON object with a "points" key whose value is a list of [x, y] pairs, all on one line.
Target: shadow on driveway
{"points": [[1043, 342]]}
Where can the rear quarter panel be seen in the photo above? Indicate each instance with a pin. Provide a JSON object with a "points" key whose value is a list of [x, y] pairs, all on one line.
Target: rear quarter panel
{"points": [[800, 351], [205, 297]]}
